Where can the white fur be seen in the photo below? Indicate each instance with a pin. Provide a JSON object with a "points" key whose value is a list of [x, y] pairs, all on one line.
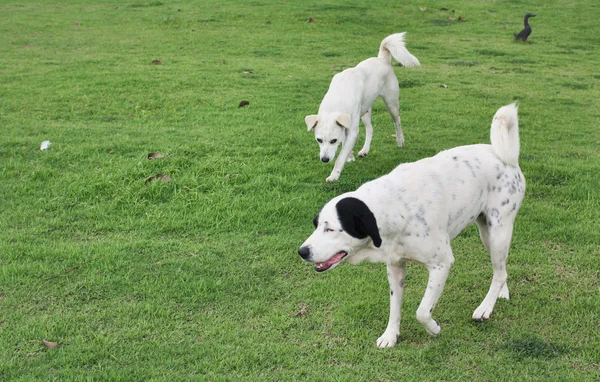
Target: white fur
{"points": [[349, 99], [421, 206]]}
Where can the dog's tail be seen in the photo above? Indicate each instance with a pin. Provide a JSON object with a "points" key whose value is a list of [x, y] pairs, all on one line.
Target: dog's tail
{"points": [[504, 134], [393, 46]]}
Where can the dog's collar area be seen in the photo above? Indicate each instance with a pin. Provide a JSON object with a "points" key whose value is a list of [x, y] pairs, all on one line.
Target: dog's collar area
{"points": [[334, 260]]}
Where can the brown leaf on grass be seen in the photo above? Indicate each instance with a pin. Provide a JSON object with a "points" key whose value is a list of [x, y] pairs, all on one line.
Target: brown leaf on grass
{"points": [[77, 23], [303, 309], [161, 177], [461, 19], [156, 62], [244, 103], [443, 9], [423, 9], [247, 71], [49, 344], [451, 18], [156, 156], [311, 20]]}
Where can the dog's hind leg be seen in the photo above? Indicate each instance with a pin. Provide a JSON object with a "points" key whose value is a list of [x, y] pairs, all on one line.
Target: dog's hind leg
{"points": [[390, 97], [496, 239], [395, 273], [369, 136], [438, 273]]}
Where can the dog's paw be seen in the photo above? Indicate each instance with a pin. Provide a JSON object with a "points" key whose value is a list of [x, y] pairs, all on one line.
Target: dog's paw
{"points": [[363, 153], [387, 340], [433, 328], [400, 140], [483, 312], [350, 158], [332, 178]]}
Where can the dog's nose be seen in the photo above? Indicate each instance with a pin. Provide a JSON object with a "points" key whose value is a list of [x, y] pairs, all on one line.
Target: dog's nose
{"points": [[325, 159], [304, 252]]}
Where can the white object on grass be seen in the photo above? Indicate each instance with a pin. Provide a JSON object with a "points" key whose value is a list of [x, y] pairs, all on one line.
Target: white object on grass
{"points": [[45, 145]]}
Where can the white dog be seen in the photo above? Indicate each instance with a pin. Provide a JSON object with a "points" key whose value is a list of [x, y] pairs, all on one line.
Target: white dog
{"points": [[413, 212], [350, 97]]}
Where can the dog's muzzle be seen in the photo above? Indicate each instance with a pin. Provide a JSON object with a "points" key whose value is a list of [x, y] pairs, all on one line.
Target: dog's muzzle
{"points": [[304, 252]]}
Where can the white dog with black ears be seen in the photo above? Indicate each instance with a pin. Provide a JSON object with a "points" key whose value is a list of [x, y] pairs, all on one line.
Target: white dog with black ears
{"points": [[412, 213], [350, 97]]}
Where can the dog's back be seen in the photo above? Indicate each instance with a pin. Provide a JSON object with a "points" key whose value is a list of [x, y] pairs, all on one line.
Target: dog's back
{"points": [[454, 188]]}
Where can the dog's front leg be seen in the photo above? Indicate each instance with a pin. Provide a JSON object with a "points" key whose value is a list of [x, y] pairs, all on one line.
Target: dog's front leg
{"points": [[438, 273], [347, 148], [395, 274]]}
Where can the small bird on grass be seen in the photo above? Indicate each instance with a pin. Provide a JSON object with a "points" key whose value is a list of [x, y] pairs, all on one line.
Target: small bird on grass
{"points": [[522, 35]]}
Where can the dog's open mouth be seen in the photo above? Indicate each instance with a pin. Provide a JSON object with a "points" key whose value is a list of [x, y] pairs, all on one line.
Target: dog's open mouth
{"points": [[334, 260]]}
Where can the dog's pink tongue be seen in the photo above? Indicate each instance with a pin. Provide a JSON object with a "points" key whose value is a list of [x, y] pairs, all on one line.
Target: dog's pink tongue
{"points": [[333, 260]]}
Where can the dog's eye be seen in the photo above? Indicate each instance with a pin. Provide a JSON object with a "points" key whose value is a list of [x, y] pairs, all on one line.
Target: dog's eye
{"points": [[333, 141], [319, 140]]}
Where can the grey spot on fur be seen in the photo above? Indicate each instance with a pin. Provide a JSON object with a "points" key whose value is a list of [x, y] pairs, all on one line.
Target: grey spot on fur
{"points": [[505, 202], [468, 164]]}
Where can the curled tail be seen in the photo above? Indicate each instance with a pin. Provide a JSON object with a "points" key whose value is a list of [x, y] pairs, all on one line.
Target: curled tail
{"points": [[393, 46], [504, 134]]}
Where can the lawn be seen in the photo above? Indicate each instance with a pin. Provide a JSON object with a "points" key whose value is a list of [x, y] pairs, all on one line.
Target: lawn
{"points": [[198, 277]]}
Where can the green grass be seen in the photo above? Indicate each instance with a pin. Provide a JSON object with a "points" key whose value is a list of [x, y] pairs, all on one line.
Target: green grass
{"points": [[199, 278]]}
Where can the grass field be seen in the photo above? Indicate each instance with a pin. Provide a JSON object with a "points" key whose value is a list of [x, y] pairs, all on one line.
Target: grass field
{"points": [[198, 278]]}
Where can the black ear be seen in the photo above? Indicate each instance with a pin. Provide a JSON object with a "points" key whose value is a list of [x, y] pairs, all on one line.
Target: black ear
{"points": [[358, 220], [316, 220]]}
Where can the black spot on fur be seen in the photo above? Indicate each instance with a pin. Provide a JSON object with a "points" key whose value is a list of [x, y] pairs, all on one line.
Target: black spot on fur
{"points": [[358, 220], [391, 292], [505, 202]]}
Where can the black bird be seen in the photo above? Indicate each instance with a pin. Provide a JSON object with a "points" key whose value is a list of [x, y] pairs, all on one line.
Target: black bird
{"points": [[522, 35]]}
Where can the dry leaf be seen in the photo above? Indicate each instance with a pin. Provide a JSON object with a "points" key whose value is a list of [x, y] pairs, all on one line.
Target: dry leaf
{"points": [[77, 23], [156, 156], [244, 103], [443, 9], [247, 71], [451, 18], [48, 344], [156, 62], [444, 86], [227, 176], [302, 310], [423, 9], [311, 20], [161, 177], [461, 19], [203, 21]]}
